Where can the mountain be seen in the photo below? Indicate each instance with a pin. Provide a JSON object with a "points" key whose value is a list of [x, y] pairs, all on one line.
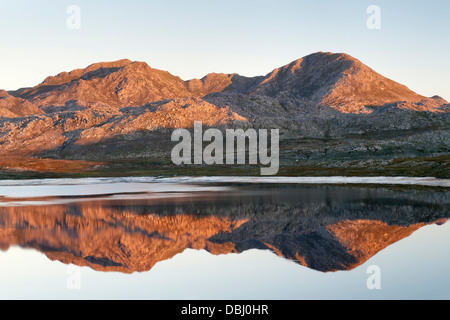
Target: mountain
{"points": [[336, 80], [330, 79], [121, 83], [332, 112]]}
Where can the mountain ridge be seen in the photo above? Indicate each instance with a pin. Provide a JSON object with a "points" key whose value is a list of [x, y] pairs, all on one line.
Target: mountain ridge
{"points": [[337, 80], [328, 107]]}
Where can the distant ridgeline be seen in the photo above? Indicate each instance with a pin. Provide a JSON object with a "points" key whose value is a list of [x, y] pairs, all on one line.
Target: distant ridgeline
{"points": [[334, 115]]}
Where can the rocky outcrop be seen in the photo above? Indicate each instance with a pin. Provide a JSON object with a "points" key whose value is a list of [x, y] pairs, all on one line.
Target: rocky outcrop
{"points": [[81, 124], [13, 107]]}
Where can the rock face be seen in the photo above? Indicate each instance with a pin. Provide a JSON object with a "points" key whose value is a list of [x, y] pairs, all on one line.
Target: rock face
{"points": [[327, 106], [13, 107], [88, 124]]}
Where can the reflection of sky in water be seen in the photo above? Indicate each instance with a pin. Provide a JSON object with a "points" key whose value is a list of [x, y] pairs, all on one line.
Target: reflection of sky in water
{"points": [[98, 189], [286, 217], [90, 186], [416, 267]]}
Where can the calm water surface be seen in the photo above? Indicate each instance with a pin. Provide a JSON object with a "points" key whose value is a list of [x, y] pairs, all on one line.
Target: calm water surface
{"points": [[201, 239]]}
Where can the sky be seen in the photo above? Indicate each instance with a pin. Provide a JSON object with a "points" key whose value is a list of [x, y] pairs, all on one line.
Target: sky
{"points": [[250, 37]]}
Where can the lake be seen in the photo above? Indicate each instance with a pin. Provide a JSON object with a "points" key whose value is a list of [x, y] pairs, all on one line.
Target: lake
{"points": [[225, 238]]}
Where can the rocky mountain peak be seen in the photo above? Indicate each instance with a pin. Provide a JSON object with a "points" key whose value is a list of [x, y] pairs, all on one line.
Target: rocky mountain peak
{"points": [[337, 80], [119, 83]]}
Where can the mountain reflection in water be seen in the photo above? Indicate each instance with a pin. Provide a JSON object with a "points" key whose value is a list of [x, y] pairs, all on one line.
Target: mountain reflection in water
{"points": [[325, 228]]}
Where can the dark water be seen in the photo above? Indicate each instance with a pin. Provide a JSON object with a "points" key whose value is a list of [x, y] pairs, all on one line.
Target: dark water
{"points": [[224, 241]]}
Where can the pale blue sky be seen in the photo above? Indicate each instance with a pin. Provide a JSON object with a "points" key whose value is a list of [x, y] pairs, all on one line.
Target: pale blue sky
{"points": [[249, 37]]}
